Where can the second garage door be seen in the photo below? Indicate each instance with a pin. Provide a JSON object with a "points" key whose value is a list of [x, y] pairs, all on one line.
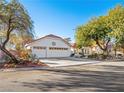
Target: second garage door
{"points": [[57, 52]]}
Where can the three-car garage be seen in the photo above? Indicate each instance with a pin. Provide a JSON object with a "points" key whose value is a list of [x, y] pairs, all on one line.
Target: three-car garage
{"points": [[50, 46]]}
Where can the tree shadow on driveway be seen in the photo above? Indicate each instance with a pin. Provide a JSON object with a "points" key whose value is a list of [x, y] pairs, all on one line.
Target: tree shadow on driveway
{"points": [[82, 80]]}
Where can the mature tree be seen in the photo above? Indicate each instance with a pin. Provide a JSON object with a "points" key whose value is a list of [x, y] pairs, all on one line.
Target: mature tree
{"points": [[103, 29], [19, 41], [15, 20], [96, 30], [116, 22], [116, 19], [101, 33], [82, 38]]}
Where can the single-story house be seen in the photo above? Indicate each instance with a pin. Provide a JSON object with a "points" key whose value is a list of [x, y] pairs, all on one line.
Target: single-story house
{"points": [[50, 46]]}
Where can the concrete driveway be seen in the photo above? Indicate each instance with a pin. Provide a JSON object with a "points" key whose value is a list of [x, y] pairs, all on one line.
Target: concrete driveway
{"points": [[57, 62]]}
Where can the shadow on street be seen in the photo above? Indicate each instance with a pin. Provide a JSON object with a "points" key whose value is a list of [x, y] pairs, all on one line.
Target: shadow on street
{"points": [[79, 80]]}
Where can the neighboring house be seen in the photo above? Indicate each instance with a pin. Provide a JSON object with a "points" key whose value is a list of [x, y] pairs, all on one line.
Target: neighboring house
{"points": [[92, 50], [73, 47], [95, 49], [87, 51], [50, 46], [84, 50]]}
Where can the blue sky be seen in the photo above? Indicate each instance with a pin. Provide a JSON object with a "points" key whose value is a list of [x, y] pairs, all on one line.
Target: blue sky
{"points": [[61, 17]]}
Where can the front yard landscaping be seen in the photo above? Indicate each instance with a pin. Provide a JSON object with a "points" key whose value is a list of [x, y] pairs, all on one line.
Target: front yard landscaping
{"points": [[23, 64]]}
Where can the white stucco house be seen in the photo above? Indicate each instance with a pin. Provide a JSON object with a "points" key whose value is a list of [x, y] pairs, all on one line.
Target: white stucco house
{"points": [[50, 46]]}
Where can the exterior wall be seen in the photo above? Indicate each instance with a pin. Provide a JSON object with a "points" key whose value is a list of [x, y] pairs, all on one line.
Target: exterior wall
{"points": [[50, 47], [91, 50], [97, 50], [87, 51]]}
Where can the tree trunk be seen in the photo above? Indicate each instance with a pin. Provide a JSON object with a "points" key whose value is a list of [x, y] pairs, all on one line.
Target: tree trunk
{"points": [[11, 56], [105, 54], [103, 48], [3, 46]]}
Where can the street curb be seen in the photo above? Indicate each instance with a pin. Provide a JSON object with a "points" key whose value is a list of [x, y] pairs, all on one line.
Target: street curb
{"points": [[41, 68], [24, 69]]}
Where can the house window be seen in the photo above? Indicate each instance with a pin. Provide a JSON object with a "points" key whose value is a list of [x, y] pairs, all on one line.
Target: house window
{"points": [[53, 43]]}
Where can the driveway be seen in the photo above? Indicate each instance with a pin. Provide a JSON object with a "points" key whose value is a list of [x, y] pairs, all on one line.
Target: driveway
{"points": [[104, 77], [70, 61]]}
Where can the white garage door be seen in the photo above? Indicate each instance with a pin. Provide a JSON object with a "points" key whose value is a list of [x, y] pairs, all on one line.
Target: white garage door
{"points": [[40, 52], [57, 52]]}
